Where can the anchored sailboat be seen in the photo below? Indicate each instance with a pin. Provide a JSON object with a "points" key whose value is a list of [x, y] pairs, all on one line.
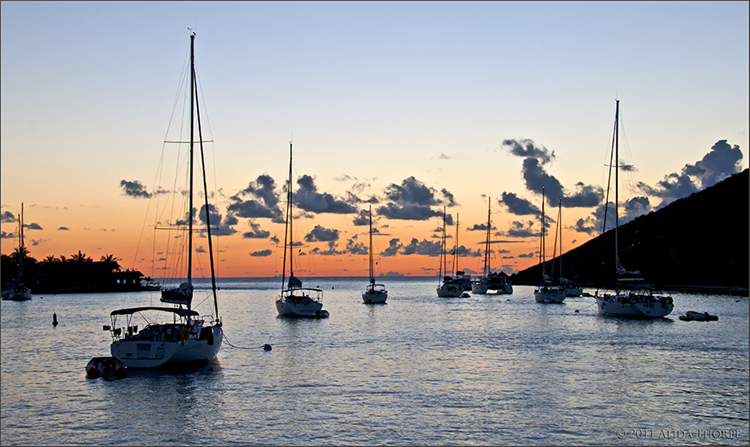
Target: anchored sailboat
{"points": [[294, 300], [375, 293], [16, 289], [490, 280], [547, 292], [450, 287], [635, 299], [186, 337]]}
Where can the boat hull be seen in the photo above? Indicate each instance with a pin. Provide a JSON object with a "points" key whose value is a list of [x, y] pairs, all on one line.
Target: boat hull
{"points": [[374, 296], [298, 305], [555, 297], [18, 293], [449, 290], [161, 351], [623, 306]]}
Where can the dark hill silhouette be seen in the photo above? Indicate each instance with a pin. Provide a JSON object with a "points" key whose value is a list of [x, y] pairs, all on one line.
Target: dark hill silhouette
{"points": [[700, 241]]}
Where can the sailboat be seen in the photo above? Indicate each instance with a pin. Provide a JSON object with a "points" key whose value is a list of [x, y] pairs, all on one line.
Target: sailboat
{"points": [[450, 287], [490, 280], [547, 292], [173, 335], [571, 288], [636, 298], [17, 289], [294, 300], [375, 293]]}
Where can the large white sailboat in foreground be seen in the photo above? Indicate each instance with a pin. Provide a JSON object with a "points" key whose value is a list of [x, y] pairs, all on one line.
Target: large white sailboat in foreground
{"points": [[547, 292], [375, 293], [497, 281], [632, 298], [176, 335], [294, 300]]}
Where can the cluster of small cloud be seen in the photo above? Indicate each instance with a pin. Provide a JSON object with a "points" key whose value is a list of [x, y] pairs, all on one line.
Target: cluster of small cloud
{"points": [[412, 200]]}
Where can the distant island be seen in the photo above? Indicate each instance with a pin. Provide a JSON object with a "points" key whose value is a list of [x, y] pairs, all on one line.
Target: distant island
{"points": [[76, 274], [698, 243]]}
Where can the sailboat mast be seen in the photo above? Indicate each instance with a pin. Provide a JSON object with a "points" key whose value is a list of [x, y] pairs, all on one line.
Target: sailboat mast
{"points": [[205, 195], [617, 189], [443, 262], [541, 245], [372, 277], [21, 250], [455, 254], [192, 118], [288, 229], [487, 242]]}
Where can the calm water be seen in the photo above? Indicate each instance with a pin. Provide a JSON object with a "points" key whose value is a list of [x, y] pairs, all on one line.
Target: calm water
{"points": [[420, 370]]}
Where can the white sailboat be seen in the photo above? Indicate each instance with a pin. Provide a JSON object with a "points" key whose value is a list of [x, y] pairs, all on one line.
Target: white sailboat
{"points": [[450, 286], [571, 289], [497, 281], [16, 290], [547, 292], [375, 293], [179, 334], [294, 300], [636, 299]]}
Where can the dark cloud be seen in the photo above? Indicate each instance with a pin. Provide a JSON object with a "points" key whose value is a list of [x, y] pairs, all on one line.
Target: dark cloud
{"points": [[4, 235], [309, 199], [32, 226], [424, 247], [527, 255], [64, 228], [134, 189], [407, 212], [261, 253], [320, 234], [332, 251], [526, 148], [218, 228], [363, 218], [255, 232], [537, 180], [394, 246], [637, 206], [259, 200], [356, 248], [7, 217], [520, 230], [722, 161], [518, 206], [585, 197]]}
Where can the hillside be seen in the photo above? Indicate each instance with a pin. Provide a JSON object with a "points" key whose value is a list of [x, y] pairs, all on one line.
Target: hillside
{"points": [[700, 240]]}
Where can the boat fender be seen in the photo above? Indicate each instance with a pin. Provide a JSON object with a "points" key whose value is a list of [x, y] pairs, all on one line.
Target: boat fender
{"points": [[184, 334]]}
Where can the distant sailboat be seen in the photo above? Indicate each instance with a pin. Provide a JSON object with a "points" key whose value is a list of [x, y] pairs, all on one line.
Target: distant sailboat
{"points": [[547, 292], [375, 293], [294, 300], [490, 280], [16, 290], [184, 336], [450, 286], [635, 299]]}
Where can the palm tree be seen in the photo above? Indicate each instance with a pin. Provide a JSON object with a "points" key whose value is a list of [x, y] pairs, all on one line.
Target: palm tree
{"points": [[108, 258], [51, 258], [80, 257]]}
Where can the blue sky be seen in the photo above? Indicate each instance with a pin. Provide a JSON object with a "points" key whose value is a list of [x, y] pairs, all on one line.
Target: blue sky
{"points": [[372, 93]]}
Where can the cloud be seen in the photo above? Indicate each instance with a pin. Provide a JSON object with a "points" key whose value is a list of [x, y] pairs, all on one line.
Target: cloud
{"points": [[637, 206], [261, 253], [424, 247], [412, 200], [520, 230], [394, 246], [32, 226], [518, 206], [722, 161], [258, 200], [134, 189], [526, 148], [361, 219], [4, 235], [218, 228], [407, 212], [7, 217], [585, 197], [356, 248], [308, 199], [63, 229], [330, 252], [320, 234], [255, 232]]}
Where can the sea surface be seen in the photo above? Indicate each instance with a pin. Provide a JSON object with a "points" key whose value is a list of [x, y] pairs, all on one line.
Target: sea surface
{"points": [[419, 370]]}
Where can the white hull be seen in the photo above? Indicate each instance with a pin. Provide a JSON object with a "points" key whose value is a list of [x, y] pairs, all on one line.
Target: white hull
{"points": [[298, 305], [158, 351], [17, 294], [450, 290], [628, 306], [552, 295], [374, 296], [482, 287]]}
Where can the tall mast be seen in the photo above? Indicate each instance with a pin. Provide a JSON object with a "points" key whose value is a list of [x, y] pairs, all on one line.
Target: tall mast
{"points": [[487, 242], [455, 254], [192, 118], [21, 251], [372, 278], [288, 228], [443, 262], [541, 247], [617, 189]]}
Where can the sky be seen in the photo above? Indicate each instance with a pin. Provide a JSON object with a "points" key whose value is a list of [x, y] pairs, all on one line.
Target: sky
{"points": [[408, 107]]}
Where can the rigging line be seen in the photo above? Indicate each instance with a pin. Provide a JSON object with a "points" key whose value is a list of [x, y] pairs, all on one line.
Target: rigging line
{"points": [[267, 347]]}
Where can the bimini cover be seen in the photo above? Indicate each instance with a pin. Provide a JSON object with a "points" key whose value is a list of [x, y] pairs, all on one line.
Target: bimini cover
{"points": [[294, 282], [181, 295]]}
